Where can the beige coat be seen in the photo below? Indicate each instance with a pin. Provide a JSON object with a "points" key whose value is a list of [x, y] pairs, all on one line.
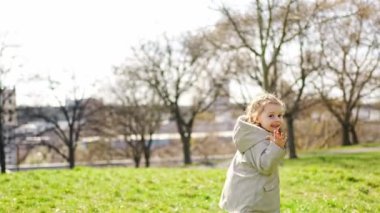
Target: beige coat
{"points": [[252, 182]]}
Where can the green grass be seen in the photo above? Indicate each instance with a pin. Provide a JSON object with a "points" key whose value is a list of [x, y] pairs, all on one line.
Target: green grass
{"points": [[315, 183], [331, 183]]}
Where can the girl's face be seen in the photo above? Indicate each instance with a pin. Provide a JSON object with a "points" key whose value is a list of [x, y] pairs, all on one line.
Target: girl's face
{"points": [[272, 117]]}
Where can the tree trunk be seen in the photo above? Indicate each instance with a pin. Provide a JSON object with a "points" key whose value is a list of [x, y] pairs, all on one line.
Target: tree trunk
{"points": [[147, 151], [137, 159], [71, 157], [2, 142], [138, 153], [2, 147], [355, 139], [346, 134], [186, 150], [185, 138], [147, 157], [2, 153], [291, 137]]}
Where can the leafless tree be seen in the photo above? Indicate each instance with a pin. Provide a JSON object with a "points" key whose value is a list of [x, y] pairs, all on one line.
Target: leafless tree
{"points": [[138, 116], [180, 73], [68, 124], [350, 56], [292, 88], [3, 128], [258, 37], [6, 94]]}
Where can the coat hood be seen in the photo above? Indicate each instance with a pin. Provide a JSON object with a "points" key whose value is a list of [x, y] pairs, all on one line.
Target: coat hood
{"points": [[246, 134]]}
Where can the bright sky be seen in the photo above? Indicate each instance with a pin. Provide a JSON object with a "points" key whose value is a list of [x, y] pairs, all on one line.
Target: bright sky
{"points": [[86, 37]]}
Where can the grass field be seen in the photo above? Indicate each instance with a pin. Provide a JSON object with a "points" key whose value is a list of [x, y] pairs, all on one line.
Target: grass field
{"points": [[314, 183]]}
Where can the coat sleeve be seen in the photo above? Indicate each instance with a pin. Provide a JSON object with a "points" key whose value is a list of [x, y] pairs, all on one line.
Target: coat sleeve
{"points": [[265, 157]]}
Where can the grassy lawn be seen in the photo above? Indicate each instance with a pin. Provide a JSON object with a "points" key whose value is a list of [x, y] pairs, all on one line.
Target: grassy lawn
{"points": [[331, 183], [314, 183]]}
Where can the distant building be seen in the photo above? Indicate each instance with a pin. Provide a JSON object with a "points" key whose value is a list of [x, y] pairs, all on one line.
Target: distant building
{"points": [[8, 101], [8, 104]]}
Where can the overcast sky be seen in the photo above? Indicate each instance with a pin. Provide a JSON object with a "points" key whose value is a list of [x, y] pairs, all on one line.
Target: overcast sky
{"points": [[87, 37]]}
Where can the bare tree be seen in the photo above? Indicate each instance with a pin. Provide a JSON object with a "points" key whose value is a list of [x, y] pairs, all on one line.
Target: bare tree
{"points": [[5, 129], [180, 74], [350, 56], [292, 87], [6, 95], [68, 124], [258, 37], [139, 116]]}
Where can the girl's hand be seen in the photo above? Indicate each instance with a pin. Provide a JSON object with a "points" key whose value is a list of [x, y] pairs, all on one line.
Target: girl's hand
{"points": [[278, 137]]}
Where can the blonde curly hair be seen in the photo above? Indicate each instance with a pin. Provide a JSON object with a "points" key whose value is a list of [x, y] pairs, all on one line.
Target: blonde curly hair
{"points": [[256, 107]]}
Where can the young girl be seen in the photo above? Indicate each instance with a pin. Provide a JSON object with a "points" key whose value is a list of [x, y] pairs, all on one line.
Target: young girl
{"points": [[252, 183]]}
